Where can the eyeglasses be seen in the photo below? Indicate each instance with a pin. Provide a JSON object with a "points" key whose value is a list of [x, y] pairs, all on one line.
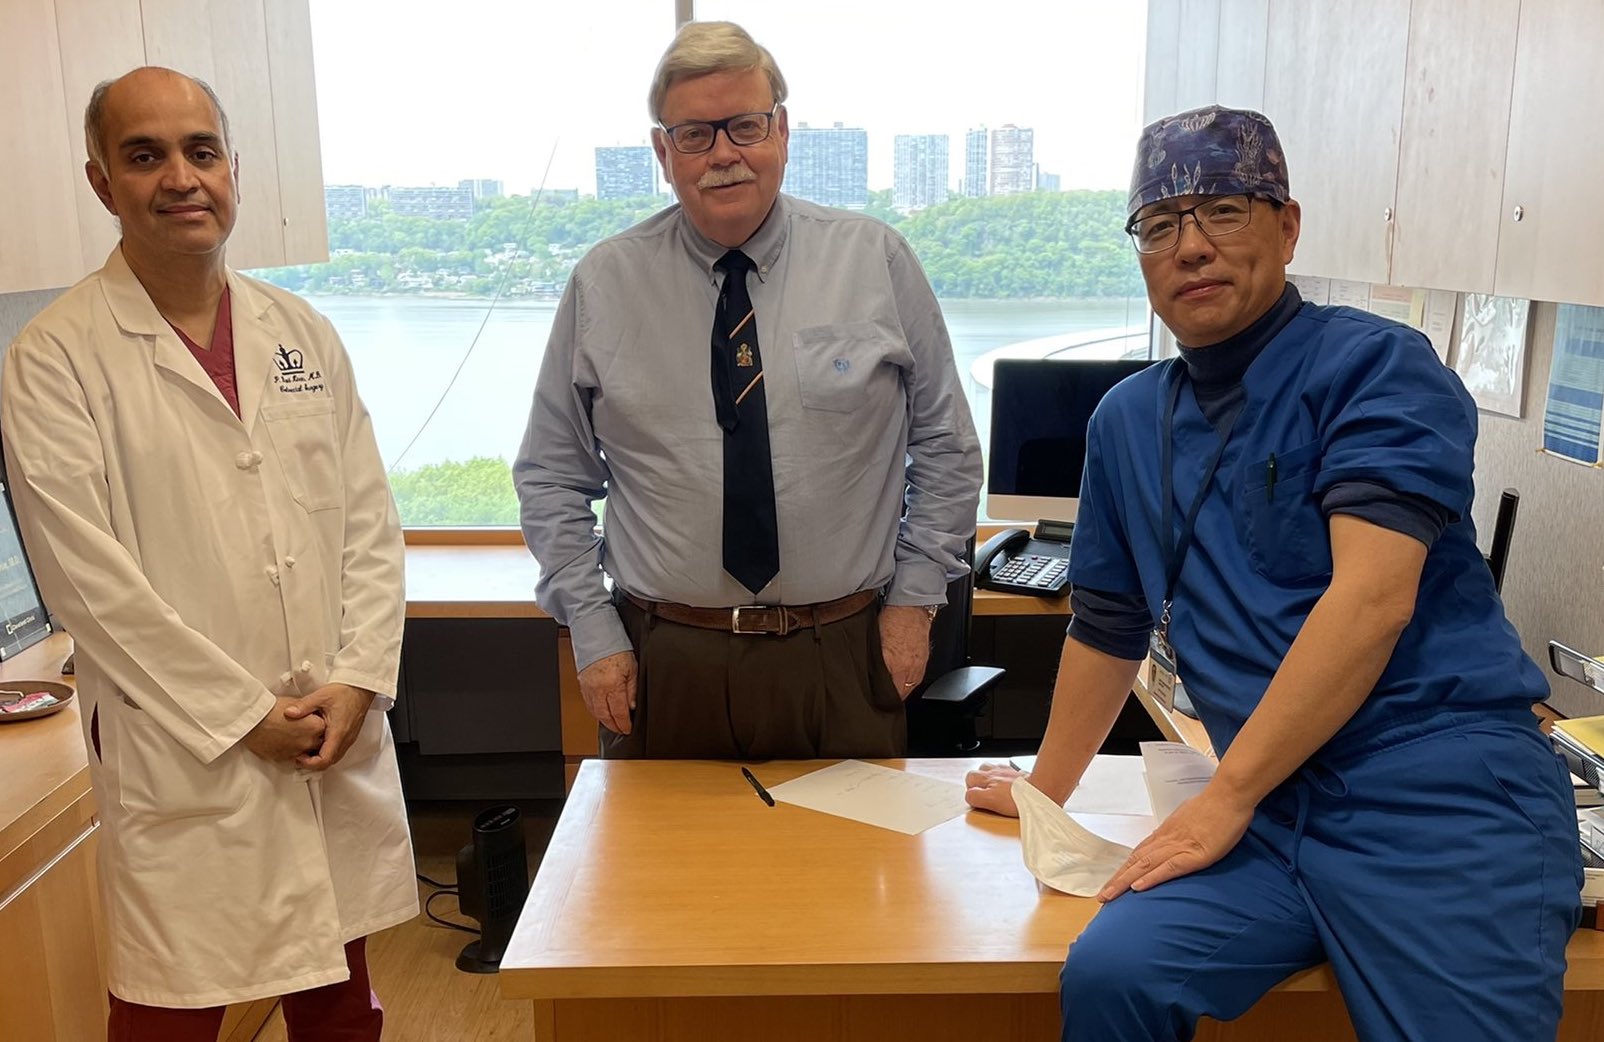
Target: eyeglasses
{"points": [[747, 128], [1217, 216]]}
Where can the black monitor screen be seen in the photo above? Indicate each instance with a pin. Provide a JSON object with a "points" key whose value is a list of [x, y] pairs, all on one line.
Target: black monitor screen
{"points": [[1039, 412]]}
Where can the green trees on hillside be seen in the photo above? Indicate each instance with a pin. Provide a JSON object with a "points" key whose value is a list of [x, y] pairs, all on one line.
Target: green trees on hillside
{"points": [[1045, 245]]}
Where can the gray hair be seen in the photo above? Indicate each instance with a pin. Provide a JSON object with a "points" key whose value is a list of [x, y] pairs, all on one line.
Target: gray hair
{"points": [[700, 48], [95, 114]]}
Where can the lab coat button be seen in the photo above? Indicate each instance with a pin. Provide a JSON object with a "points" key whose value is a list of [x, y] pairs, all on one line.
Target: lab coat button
{"points": [[244, 461], [306, 667], [272, 573], [289, 562], [256, 459]]}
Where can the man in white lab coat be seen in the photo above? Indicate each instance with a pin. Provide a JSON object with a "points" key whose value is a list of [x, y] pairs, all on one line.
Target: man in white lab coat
{"points": [[203, 502]]}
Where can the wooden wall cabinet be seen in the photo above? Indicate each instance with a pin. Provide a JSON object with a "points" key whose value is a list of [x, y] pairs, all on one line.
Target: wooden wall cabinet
{"points": [[1451, 156], [257, 54], [1433, 143], [1333, 87], [1551, 225]]}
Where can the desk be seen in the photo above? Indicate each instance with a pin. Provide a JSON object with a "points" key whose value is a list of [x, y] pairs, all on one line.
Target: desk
{"points": [[673, 905], [493, 577], [496, 580]]}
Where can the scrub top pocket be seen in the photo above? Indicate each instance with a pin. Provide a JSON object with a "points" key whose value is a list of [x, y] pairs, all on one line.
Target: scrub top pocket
{"points": [[1287, 537]]}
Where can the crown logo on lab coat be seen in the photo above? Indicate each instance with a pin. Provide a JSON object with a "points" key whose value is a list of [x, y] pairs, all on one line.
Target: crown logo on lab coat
{"points": [[288, 360]]}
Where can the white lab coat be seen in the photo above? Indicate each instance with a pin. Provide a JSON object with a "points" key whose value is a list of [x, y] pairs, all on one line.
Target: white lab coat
{"points": [[203, 563]]}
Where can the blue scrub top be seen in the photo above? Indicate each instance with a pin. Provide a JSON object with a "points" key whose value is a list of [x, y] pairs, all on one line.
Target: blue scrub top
{"points": [[1339, 395]]}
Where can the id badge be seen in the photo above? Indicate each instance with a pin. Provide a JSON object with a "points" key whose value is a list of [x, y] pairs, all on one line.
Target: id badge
{"points": [[1162, 682]]}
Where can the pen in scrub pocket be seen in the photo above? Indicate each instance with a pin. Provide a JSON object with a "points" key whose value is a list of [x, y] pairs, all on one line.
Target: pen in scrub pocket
{"points": [[1269, 479]]}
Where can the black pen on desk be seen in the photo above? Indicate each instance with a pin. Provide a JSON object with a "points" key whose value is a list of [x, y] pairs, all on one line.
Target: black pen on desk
{"points": [[757, 787], [1269, 479]]}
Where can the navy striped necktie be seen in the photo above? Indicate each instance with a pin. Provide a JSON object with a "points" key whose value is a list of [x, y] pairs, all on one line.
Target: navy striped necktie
{"points": [[751, 528]]}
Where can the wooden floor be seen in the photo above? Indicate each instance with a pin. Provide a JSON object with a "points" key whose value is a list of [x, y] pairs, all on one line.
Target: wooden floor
{"points": [[426, 998]]}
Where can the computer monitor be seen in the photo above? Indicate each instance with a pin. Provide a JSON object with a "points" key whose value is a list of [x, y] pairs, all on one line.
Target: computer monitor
{"points": [[1039, 412]]}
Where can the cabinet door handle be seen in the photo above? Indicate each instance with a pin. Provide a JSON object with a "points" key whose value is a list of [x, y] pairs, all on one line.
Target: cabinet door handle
{"points": [[1518, 213], [1386, 215]]}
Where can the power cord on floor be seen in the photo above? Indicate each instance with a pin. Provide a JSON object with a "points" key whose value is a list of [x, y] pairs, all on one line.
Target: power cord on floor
{"points": [[442, 890]]}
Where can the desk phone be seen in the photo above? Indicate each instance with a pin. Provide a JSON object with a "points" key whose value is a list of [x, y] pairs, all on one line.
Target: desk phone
{"points": [[1014, 562]]}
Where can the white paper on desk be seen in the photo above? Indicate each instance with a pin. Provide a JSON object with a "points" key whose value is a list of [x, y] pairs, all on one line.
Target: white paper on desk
{"points": [[875, 795], [1058, 851], [1110, 785], [1175, 773]]}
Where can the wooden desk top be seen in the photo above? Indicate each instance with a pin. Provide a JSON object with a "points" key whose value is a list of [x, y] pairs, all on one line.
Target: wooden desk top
{"points": [[43, 764], [672, 879], [497, 580]]}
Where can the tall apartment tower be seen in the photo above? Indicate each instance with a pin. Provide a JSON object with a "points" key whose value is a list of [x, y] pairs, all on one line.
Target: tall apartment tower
{"points": [[977, 145], [919, 172], [625, 172], [1013, 160], [829, 165]]}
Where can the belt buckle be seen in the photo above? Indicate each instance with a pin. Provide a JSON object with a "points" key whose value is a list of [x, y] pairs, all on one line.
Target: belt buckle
{"points": [[756, 628]]}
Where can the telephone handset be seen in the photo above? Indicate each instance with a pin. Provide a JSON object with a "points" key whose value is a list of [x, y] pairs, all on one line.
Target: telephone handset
{"points": [[1014, 562]]}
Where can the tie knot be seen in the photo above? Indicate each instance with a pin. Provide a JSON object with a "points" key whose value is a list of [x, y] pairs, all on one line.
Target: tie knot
{"points": [[734, 262]]}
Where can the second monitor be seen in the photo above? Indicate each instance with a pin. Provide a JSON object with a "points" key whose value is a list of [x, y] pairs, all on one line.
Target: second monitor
{"points": [[1040, 409]]}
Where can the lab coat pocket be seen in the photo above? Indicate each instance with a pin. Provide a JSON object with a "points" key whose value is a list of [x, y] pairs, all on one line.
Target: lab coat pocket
{"points": [[158, 780], [305, 441], [1287, 537], [837, 366]]}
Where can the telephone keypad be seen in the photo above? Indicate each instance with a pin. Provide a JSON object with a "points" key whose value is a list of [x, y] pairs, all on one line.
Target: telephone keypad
{"points": [[1034, 571]]}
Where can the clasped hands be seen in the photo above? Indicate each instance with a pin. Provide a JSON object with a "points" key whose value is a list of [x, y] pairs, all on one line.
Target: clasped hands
{"points": [[1200, 832], [314, 731]]}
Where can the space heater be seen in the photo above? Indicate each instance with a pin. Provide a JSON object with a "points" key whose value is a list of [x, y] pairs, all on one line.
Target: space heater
{"points": [[493, 880]]}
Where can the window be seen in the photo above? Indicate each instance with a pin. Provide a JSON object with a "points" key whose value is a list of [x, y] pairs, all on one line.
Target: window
{"points": [[473, 155]]}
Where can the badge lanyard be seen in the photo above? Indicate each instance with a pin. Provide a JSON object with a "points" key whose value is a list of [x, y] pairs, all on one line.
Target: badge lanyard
{"points": [[1160, 650]]}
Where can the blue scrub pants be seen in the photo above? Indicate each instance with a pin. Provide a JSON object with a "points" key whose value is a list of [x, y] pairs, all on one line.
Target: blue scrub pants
{"points": [[1435, 865]]}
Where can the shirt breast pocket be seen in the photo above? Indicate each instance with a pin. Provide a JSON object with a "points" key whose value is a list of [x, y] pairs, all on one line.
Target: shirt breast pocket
{"points": [[838, 366], [1287, 537], [304, 440]]}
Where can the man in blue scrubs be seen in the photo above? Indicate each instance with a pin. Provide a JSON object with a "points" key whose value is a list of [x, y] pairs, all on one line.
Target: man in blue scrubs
{"points": [[1284, 512]]}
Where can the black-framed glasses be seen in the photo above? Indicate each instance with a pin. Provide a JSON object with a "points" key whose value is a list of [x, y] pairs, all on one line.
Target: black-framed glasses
{"points": [[1215, 216], [745, 128]]}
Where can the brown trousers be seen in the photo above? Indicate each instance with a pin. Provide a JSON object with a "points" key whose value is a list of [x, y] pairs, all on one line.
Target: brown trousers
{"points": [[818, 693]]}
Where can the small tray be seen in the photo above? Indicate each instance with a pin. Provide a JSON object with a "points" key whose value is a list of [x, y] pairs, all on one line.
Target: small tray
{"points": [[61, 691]]}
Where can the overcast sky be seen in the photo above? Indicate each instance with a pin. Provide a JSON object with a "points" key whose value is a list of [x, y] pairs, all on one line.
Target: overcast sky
{"points": [[416, 92]]}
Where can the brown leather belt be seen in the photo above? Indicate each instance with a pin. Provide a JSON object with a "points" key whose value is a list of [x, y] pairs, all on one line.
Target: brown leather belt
{"points": [[771, 619]]}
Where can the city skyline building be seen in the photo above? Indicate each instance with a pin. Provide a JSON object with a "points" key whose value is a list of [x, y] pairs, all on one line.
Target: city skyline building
{"points": [[345, 202], [829, 165], [919, 171], [977, 146], [454, 204], [1013, 160], [625, 171], [482, 187]]}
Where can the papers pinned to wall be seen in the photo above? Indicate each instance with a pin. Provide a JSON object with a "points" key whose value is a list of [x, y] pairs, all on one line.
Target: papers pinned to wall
{"points": [[1312, 288], [1441, 305], [1491, 359], [1573, 416]]}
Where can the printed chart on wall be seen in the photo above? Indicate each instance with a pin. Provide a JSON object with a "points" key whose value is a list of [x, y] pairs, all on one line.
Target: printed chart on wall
{"points": [[1573, 422], [26, 621]]}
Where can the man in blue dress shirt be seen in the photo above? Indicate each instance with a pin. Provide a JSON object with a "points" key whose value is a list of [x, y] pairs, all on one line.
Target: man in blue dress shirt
{"points": [[1284, 513], [764, 391]]}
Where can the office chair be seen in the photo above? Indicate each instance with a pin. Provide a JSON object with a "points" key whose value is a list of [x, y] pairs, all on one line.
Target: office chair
{"points": [[943, 708], [1503, 528]]}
